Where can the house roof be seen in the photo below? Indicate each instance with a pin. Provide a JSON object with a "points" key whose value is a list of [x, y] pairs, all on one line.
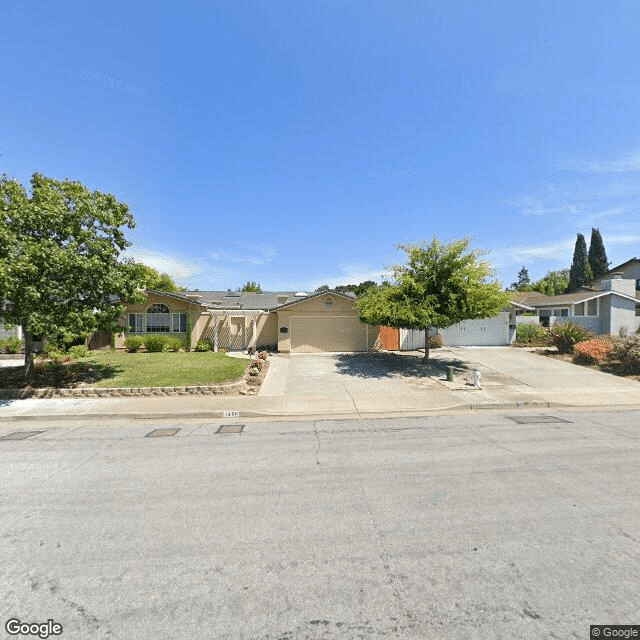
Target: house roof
{"points": [[267, 300], [347, 294], [527, 298], [564, 299], [618, 267]]}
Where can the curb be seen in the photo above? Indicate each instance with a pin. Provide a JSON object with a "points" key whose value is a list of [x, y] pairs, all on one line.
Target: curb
{"points": [[464, 406]]}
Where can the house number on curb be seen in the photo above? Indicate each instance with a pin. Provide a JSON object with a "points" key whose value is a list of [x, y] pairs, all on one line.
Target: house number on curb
{"points": [[230, 414]]}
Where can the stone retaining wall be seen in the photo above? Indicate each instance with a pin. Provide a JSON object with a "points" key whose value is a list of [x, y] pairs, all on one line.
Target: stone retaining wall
{"points": [[119, 392]]}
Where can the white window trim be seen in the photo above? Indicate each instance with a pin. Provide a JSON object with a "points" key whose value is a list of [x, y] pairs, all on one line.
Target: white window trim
{"points": [[139, 324], [176, 316], [585, 306]]}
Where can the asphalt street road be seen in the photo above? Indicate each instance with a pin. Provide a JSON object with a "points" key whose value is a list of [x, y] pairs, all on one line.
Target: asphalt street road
{"points": [[458, 527]]}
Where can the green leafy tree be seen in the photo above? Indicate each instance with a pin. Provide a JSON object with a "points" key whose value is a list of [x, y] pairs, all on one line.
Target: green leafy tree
{"points": [[524, 282], [441, 284], [580, 272], [60, 272], [250, 287], [553, 284], [153, 279], [322, 288], [597, 254], [358, 289], [363, 287]]}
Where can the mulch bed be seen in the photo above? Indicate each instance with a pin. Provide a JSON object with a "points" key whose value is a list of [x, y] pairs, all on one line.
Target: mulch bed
{"points": [[615, 368]]}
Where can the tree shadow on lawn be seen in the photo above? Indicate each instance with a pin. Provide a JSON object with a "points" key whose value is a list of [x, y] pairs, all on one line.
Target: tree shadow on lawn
{"points": [[391, 365], [65, 375]]}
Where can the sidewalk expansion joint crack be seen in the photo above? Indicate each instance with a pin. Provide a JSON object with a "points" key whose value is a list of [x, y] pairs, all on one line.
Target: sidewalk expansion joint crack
{"points": [[317, 437]]}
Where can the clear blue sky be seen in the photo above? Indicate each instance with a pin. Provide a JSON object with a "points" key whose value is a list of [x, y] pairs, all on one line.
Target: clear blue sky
{"points": [[296, 142]]}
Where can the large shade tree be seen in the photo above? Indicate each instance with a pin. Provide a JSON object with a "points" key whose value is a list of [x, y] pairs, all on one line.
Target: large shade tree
{"points": [[153, 279], [60, 267], [440, 284]]}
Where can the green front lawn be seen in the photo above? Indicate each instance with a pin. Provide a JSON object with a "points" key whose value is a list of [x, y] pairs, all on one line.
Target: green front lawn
{"points": [[168, 369]]}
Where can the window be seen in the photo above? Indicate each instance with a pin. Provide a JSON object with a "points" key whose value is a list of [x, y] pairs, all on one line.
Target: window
{"points": [[563, 311], [179, 322], [578, 309], [135, 323], [158, 308], [158, 319], [592, 307]]}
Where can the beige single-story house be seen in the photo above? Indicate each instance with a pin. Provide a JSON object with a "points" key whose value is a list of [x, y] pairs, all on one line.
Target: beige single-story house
{"points": [[288, 321]]}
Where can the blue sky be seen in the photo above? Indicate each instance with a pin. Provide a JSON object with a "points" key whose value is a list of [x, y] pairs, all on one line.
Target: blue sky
{"points": [[296, 143]]}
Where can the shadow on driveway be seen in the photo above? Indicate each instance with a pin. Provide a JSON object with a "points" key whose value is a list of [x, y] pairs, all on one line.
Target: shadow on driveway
{"points": [[391, 365]]}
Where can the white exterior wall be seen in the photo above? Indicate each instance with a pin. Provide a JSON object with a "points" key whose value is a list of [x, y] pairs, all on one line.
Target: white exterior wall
{"points": [[493, 332], [15, 332], [412, 339]]}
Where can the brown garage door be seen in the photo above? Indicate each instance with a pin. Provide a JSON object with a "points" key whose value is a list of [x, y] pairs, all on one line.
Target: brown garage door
{"points": [[327, 333]]}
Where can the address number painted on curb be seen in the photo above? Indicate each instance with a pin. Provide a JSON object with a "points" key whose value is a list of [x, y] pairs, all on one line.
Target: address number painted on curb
{"points": [[230, 414]]}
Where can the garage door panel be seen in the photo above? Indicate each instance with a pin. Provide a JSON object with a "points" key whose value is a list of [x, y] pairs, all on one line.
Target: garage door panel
{"points": [[327, 333]]}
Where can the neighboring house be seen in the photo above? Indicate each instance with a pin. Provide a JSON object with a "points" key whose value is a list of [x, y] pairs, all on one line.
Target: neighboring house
{"points": [[233, 320], [629, 270], [609, 306]]}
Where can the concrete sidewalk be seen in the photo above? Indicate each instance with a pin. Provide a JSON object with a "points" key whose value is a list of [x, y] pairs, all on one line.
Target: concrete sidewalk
{"points": [[511, 378]]}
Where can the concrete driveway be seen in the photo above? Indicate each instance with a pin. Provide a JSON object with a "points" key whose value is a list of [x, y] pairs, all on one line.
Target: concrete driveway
{"points": [[370, 382], [519, 371], [344, 381]]}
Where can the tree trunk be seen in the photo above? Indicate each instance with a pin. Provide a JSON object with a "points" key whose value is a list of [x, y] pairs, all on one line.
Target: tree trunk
{"points": [[28, 355], [426, 345]]}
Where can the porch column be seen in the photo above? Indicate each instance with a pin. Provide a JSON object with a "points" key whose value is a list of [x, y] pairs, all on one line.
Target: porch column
{"points": [[216, 337], [254, 339]]}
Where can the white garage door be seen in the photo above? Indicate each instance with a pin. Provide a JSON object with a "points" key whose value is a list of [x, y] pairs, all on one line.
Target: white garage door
{"points": [[486, 332], [327, 333]]}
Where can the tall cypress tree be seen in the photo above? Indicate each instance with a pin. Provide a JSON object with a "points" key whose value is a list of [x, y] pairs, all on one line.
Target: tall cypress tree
{"points": [[580, 273], [597, 255]]}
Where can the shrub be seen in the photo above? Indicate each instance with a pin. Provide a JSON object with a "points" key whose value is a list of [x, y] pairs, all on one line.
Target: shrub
{"points": [[203, 345], [174, 343], [155, 344], [435, 341], [592, 351], [532, 334], [12, 345], [133, 343], [626, 349], [79, 351], [56, 356], [566, 335], [49, 348]]}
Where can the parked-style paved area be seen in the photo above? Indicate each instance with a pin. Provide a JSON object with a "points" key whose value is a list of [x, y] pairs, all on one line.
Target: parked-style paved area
{"points": [[358, 384]]}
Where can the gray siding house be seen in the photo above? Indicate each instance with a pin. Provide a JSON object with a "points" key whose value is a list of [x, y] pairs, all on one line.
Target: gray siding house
{"points": [[610, 306]]}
